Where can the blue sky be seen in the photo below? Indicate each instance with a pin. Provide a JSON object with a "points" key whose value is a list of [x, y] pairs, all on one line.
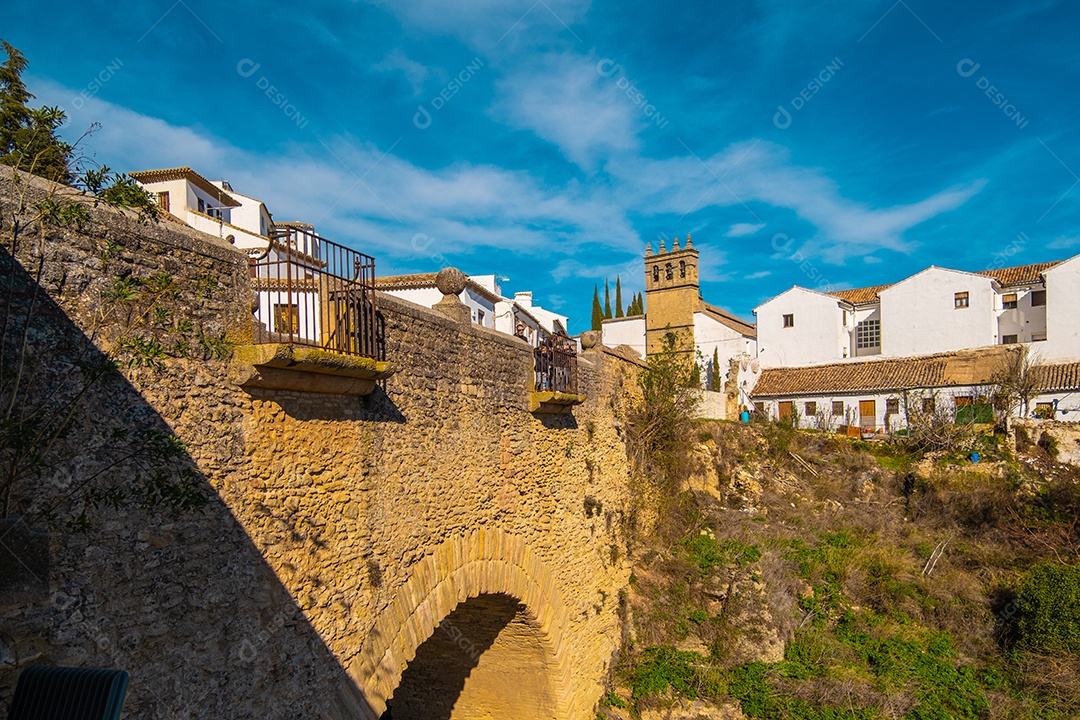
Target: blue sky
{"points": [[815, 144]]}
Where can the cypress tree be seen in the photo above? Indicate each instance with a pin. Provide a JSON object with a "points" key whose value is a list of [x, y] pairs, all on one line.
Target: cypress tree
{"points": [[618, 297], [607, 300], [597, 311], [716, 369]]}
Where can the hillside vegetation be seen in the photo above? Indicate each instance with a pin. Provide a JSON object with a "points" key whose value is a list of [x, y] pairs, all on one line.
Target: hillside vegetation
{"points": [[789, 574]]}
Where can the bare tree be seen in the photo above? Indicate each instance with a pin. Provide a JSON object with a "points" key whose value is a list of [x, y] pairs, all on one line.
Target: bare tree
{"points": [[1016, 382]]}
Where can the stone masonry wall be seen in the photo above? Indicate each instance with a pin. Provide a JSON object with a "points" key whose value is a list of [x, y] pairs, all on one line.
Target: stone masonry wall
{"points": [[321, 507]]}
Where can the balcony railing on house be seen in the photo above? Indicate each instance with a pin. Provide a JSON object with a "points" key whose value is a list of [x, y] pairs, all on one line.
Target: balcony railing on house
{"points": [[316, 293], [556, 366]]}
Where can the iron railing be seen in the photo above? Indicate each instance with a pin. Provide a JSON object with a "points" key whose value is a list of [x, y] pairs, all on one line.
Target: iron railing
{"points": [[555, 363], [311, 291]]}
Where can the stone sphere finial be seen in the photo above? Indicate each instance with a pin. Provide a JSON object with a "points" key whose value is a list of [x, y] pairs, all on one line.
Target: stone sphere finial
{"points": [[450, 281], [590, 339]]}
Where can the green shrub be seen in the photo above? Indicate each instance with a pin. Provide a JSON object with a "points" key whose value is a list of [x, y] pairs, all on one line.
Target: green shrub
{"points": [[687, 673], [1049, 609], [705, 552]]}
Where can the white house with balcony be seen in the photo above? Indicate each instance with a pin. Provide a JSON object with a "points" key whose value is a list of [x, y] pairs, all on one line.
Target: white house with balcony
{"points": [[212, 207]]}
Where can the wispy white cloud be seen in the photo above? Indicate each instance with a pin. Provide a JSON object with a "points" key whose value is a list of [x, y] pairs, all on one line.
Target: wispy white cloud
{"points": [[414, 72], [355, 191], [563, 99], [743, 229], [758, 275], [1064, 243], [486, 23], [759, 173]]}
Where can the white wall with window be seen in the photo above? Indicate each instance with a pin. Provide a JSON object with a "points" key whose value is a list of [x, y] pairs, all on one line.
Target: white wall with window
{"points": [[866, 331], [875, 412], [801, 327], [938, 310], [1021, 315]]}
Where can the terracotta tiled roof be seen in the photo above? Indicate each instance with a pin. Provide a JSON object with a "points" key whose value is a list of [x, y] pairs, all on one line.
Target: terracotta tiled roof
{"points": [[724, 317], [969, 367], [1020, 275], [859, 296], [185, 173], [1065, 376]]}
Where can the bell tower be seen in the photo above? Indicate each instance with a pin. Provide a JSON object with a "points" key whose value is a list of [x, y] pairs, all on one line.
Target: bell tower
{"points": [[671, 295]]}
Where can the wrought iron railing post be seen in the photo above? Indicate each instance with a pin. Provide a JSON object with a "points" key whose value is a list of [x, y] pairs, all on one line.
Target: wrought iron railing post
{"points": [[328, 291]]}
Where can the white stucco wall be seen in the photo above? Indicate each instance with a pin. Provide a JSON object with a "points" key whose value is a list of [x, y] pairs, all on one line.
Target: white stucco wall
{"points": [[1062, 312], [945, 399], [472, 299], [712, 337], [625, 331], [860, 314], [1024, 321], [817, 336], [918, 316]]}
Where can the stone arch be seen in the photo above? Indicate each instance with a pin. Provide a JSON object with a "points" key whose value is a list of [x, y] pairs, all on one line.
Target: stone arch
{"points": [[484, 562]]}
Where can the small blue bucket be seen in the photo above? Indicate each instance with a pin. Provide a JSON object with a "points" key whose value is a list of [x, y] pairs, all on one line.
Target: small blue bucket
{"points": [[974, 457], [744, 416]]}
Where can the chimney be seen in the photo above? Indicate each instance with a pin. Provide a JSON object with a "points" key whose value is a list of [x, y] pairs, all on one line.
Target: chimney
{"points": [[524, 299]]}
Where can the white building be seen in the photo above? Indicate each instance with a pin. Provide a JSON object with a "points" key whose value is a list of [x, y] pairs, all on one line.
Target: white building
{"points": [[487, 305], [212, 207], [853, 353], [420, 288], [936, 310], [538, 321]]}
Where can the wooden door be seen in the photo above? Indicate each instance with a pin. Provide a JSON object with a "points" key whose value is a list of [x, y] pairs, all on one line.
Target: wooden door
{"points": [[787, 410], [867, 415]]}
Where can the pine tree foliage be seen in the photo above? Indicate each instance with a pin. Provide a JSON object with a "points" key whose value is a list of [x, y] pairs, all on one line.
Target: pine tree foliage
{"points": [[28, 137], [607, 301], [618, 297]]}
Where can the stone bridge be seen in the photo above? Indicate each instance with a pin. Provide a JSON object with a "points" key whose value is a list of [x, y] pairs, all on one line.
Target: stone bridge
{"points": [[434, 548]]}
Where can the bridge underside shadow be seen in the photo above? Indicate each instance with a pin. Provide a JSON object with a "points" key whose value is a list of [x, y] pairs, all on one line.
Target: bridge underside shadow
{"points": [[485, 660]]}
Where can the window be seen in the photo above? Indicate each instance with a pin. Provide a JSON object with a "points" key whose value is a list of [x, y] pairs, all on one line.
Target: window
{"points": [[960, 300], [668, 271], [656, 273], [759, 408], [1008, 302], [838, 408], [1008, 339], [682, 268], [789, 321], [929, 405], [868, 334], [1038, 298], [163, 200], [811, 409], [287, 318], [479, 317], [892, 406], [202, 206]]}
